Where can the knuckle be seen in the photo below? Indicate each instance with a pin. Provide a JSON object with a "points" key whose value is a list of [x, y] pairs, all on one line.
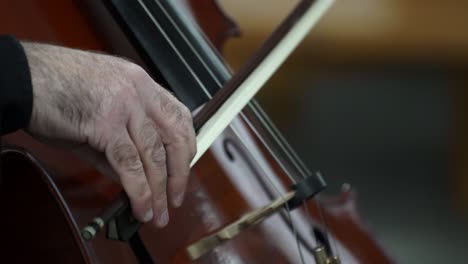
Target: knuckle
{"points": [[185, 131], [135, 168], [186, 118], [170, 107], [186, 113], [136, 78], [150, 138], [127, 157], [175, 109], [188, 138], [148, 130], [179, 116], [135, 72], [158, 156]]}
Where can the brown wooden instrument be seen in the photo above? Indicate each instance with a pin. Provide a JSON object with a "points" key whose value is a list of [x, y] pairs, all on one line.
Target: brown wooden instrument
{"points": [[47, 194]]}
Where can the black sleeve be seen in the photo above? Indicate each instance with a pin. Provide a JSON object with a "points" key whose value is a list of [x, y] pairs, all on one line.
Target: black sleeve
{"points": [[15, 86]]}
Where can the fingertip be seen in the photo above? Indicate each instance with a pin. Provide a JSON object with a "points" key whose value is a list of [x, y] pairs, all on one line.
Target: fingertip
{"points": [[162, 220], [177, 188], [141, 205], [143, 215], [178, 200], [148, 216]]}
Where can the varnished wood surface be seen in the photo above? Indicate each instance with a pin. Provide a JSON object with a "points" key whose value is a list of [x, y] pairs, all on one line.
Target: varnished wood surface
{"points": [[36, 221]]}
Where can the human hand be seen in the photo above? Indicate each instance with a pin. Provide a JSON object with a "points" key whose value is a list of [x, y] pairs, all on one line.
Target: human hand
{"points": [[111, 113]]}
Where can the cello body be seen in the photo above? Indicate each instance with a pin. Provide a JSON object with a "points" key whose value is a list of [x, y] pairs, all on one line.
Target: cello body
{"points": [[48, 193]]}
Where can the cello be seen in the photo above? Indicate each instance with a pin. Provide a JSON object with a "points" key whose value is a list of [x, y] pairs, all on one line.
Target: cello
{"points": [[233, 178]]}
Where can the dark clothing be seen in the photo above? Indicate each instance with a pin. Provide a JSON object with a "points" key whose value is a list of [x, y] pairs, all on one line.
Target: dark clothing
{"points": [[15, 86]]}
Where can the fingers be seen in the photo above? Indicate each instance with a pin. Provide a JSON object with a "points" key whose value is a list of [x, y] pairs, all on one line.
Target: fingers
{"points": [[178, 167], [151, 149], [175, 126], [124, 157], [153, 158]]}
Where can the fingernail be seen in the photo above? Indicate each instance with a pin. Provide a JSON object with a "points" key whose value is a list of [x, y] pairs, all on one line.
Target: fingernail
{"points": [[148, 216], [163, 219], [178, 200]]}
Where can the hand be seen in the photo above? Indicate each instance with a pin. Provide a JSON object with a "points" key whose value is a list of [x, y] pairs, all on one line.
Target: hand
{"points": [[110, 112]]}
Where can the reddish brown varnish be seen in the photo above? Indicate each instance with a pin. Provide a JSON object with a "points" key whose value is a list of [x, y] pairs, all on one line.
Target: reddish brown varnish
{"points": [[44, 202]]}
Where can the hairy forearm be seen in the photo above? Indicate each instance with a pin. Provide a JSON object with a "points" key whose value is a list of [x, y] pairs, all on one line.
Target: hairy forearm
{"points": [[54, 71]]}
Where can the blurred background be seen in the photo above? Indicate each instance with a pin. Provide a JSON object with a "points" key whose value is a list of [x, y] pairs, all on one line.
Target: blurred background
{"points": [[376, 96]]}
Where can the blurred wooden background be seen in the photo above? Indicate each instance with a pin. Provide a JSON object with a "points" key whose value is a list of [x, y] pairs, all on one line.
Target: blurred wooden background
{"points": [[364, 30]]}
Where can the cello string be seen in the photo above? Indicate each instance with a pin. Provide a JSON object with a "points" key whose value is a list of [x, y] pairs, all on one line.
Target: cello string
{"points": [[258, 70], [188, 43], [235, 131], [264, 180], [278, 192], [321, 214], [296, 234], [163, 32], [309, 218], [288, 165], [192, 72], [325, 224], [272, 131], [168, 16], [192, 48], [280, 140]]}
